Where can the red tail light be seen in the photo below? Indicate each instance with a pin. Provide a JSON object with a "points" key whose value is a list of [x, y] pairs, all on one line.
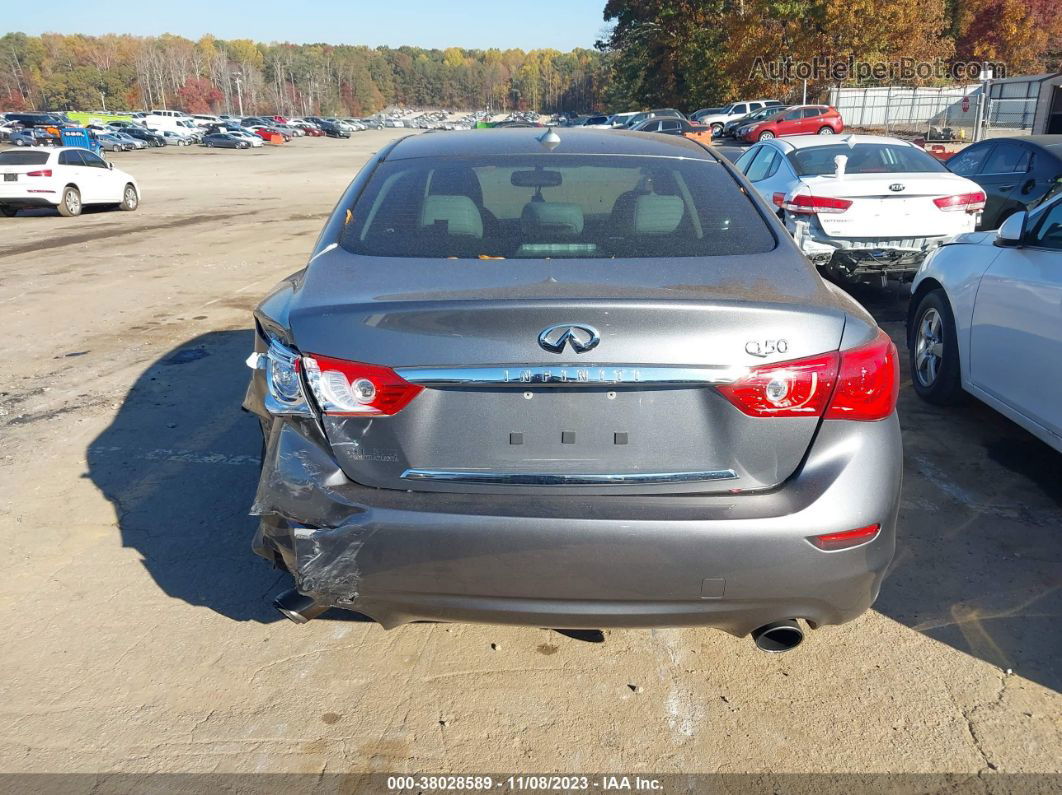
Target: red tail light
{"points": [[849, 538], [798, 388], [779, 199], [968, 202], [344, 388], [802, 204], [868, 382], [45, 172], [860, 384]]}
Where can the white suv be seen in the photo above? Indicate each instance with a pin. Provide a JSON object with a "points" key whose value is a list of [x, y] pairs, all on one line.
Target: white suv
{"points": [[735, 110]]}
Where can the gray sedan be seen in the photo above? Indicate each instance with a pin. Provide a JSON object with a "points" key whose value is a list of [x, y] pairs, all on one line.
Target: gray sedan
{"points": [[571, 381]]}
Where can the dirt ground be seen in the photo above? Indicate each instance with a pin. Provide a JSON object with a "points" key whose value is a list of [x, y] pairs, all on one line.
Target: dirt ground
{"points": [[138, 632]]}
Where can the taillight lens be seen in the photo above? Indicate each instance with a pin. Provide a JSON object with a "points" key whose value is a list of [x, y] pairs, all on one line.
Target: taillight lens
{"points": [[345, 388], [860, 384], [44, 172], [802, 204], [847, 539], [963, 202], [799, 388], [868, 382], [779, 199]]}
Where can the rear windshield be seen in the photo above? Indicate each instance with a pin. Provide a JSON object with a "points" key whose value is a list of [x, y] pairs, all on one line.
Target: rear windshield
{"points": [[864, 159], [15, 158], [554, 206]]}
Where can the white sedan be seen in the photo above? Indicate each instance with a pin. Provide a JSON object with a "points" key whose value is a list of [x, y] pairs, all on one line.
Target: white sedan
{"points": [[862, 207], [986, 318], [67, 178], [246, 135]]}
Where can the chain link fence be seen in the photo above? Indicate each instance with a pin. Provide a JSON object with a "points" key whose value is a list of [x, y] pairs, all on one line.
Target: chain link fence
{"points": [[947, 113]]}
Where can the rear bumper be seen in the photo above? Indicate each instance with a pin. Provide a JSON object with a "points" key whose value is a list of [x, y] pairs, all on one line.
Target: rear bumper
{"points": [[731, 562], [23, 199], [857, 257]]}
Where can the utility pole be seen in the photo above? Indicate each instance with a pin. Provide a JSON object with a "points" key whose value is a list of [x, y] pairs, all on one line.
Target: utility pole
{"points": [[984, 109], [239, 93], [805, 100], [103, 98]]}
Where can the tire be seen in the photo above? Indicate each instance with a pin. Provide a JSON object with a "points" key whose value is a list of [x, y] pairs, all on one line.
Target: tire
{"points": [[716, 129], [8, 212], [934, 351], [20, 142], [70, 204], [766, 135], [130, 198], [209, 144], [826, 131]]}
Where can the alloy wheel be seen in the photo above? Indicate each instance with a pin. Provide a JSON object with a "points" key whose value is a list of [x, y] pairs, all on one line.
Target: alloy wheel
{"points": [[929, 347], [72, 202]]}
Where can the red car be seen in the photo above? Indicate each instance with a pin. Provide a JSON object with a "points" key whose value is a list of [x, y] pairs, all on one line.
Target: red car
{"points": [[313, 132], [799, 120]]}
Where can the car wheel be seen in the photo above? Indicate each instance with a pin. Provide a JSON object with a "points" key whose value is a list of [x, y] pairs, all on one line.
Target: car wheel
{"points": [[934, 351], [70, 204], [766, 135], [209, 145], [20, 142], [717, 129], [8, 212], [130, 199], [826, 131]]}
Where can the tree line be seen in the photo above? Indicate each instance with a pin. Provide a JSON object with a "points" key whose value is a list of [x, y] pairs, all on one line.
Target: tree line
{"points": [[121, 72], [702, 52], [680, 53]]}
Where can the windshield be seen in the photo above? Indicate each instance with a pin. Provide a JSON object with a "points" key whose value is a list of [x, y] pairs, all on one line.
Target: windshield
{"points": [[554, 206], [815, 161], [12, 157]]}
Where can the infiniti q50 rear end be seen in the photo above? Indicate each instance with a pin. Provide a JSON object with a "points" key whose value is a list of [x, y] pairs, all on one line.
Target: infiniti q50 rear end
{"points": [[582, 384]]}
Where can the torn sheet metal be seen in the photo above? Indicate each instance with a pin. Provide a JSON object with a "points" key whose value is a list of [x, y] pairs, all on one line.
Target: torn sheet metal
{"points": [[315, 529]]}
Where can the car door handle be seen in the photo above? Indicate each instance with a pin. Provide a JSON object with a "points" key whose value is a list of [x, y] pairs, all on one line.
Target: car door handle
{"points": [[1006, 187]]}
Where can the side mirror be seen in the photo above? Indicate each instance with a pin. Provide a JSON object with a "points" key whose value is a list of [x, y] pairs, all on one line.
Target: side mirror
{"points": [[1012, 232]]}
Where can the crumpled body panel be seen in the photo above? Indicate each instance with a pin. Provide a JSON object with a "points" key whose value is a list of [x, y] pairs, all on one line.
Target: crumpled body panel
{"points": [[732, 563]]}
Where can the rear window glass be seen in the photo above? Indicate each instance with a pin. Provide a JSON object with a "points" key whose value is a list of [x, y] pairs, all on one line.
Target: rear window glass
{"points": [[16, 158], [863, 159], [554, 206]]}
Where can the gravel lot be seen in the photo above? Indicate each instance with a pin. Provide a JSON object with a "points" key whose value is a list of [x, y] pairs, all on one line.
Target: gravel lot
{"points": [[139, 635]]}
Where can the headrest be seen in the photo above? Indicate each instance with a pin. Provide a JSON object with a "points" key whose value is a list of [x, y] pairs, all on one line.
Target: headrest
{"points": [[657, 215], [552, 218], [459, 213], [456, 181]]}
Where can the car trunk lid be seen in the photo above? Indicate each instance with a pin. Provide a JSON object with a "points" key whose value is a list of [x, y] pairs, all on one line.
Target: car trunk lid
{"points": [[638, 412], [887, 205]]}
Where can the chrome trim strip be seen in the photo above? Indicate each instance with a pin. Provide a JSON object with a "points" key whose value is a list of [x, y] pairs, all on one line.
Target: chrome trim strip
{"points": [[554, 479], [570, 375]]}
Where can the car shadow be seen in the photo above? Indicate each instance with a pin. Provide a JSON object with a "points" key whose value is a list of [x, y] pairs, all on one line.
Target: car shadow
{"points": [[180, 464], [979, 547]]}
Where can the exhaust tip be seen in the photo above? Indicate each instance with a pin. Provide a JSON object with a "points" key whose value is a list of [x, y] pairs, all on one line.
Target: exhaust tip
{"points": [[778, 636], [298, 607]]}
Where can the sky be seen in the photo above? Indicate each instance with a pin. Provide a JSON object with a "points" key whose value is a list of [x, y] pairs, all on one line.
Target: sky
{"points": [[527, 24]]}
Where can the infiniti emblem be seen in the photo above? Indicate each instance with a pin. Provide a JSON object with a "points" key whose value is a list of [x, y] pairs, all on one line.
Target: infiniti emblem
{"points": [[580, 337], [897, 187]]}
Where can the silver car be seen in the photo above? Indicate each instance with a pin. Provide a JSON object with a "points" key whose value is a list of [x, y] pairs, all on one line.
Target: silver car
{"points": [[573, 381]]}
